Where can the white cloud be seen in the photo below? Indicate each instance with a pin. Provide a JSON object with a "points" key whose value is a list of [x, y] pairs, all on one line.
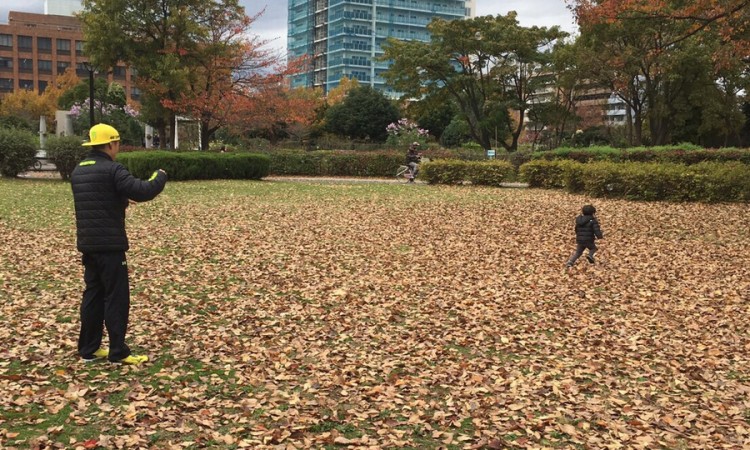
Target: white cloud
{"points": [[33, 6], [543, 13]]}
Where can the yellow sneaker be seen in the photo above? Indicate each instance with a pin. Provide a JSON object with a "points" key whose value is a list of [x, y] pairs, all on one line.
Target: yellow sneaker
{"points": [[133, 360], [99, 354]]}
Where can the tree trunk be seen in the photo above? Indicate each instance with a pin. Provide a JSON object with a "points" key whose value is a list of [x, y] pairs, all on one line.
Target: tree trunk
{"points": [[205, 134], [638, 129], [162, 137]]}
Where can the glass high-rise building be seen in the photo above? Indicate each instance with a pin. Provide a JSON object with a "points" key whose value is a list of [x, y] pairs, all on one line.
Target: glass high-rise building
{"points": [[343, 38]]}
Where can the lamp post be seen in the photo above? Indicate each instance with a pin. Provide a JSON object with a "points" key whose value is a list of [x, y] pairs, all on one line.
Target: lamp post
{"points": [[87, 65]]}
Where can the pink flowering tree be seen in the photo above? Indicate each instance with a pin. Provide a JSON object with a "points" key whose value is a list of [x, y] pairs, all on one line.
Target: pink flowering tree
{"points": [[124, 118], [404, 132]]}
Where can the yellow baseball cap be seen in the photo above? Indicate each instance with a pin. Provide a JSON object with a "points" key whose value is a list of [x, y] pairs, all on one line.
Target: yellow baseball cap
{"points": [[101, 134]]}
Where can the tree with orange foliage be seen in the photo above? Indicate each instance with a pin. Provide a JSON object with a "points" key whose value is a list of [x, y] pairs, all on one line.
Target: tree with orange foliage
{"points": [[29, 106], [729, 19], [338, 94], [275, 111], [228, 72], [666, 61]]}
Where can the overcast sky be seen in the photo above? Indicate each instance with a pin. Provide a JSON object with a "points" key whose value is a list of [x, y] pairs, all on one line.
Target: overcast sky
{"points": [[271, 25]]}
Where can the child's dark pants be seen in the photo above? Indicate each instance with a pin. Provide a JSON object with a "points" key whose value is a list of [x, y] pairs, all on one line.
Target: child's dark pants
{"points": [[579, 251]]}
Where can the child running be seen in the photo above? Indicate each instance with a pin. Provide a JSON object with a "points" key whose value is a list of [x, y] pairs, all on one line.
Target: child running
{"points": [[587, 231]]}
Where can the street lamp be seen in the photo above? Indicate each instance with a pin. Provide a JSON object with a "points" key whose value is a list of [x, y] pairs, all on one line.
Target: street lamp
{"points": [[87, 65]]}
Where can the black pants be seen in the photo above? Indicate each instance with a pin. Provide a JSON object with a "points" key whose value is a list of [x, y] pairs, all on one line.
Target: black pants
{"points": [[581, 246], [106, 302]]}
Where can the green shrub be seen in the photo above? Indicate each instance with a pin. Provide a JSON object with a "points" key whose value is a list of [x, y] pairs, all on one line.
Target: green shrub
{"points": [[680, 154], [444, 172], [335, 163], [490, 173], [18, 149], [487, 173], [66, 152], [706, 181], [182, 166], [543, 174]]}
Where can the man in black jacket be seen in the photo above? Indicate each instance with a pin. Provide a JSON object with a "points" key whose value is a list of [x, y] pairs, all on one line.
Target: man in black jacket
{"points": [[587, 231], [102, 189]]}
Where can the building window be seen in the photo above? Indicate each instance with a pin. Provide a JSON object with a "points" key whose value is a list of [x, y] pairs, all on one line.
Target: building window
{"points": [[81, 70], [79, 48], [26, 84], [6, 41], [62, 66], [25, 43], [25, 65], [119, 72], [42, 86], [44, 45], [63, 46], [135, 93], [45, 66], [6, 63], [6, 84]]}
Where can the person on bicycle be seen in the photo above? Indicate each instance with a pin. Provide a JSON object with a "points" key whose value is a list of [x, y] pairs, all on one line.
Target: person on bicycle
{"points": [[412, 160]]}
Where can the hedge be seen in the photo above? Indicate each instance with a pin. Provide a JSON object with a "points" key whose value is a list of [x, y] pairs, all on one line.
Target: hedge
{"points": [[706, 181], [683, 154], [66, 152], [335, 163], [182, 166], [488, 173], [17, 151]]}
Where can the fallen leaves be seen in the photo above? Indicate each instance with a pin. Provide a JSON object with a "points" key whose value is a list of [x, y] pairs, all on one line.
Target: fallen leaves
{"points": [[301, 316]]}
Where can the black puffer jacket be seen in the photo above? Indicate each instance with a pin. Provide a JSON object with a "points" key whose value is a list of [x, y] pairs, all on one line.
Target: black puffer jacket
{"points": [[101, 189], [587, 229]]}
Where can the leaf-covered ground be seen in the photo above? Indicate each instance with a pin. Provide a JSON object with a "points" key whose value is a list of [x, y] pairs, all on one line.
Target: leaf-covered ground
{"points": [[293, 315]]}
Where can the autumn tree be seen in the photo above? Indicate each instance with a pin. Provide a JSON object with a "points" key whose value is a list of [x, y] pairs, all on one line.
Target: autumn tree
{"points": [[275, 112], [490, 66], [28, 105], [230, 74], [158, 38], [728, 19], [338, 94], [656, 67]]}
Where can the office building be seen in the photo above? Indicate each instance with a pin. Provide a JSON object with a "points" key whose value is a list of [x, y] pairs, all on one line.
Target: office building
{"points": [[343, 38], [36, 48]]}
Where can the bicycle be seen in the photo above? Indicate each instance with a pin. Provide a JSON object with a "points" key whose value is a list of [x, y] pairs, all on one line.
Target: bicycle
{"points": [[37, 165], [403, 172]]}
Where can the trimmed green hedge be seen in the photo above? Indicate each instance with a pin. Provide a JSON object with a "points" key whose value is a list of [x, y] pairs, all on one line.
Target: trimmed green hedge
{"points": [[181, 166], [17, 151], [488, 173], [66, 152], [681, 154], [335, 163], [706, 181]]}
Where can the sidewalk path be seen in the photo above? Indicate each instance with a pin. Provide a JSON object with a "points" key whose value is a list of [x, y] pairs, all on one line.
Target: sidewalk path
{"points": [[361, 180]]}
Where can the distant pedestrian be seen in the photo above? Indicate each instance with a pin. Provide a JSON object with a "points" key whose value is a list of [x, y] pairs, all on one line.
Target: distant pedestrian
{"points": [[587, 231], [102, 189], [413, 158]]}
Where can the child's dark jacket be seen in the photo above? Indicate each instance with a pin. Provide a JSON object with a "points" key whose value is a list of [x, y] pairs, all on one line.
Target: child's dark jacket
{"points": [[587, 229]]}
